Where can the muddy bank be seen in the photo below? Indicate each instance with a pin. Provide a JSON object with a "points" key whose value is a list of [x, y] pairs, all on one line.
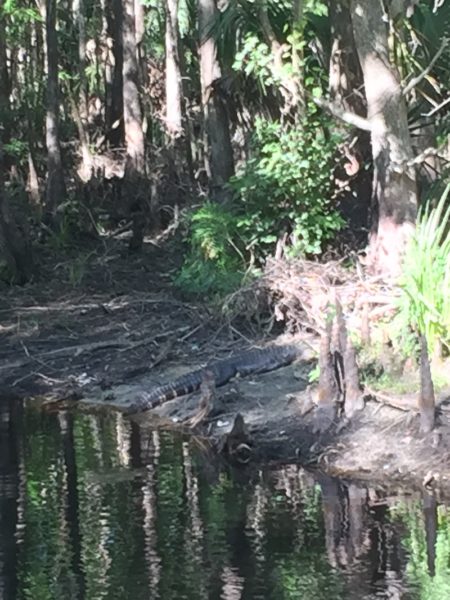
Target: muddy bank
{"points": [[119, 331], [381, 443]]}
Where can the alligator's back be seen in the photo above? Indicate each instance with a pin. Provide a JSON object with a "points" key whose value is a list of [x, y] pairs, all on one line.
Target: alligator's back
{"points": [[245, 363]]}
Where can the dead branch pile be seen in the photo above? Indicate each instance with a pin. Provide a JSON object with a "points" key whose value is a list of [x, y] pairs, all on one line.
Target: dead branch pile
{"points": [[298, 292]]}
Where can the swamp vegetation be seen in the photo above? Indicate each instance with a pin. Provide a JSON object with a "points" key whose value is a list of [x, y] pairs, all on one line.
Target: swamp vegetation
{"points": [[182, 181]]}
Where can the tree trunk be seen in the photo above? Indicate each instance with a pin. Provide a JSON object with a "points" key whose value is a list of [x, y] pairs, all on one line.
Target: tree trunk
{"points": [[221, 165], [56, 188], [291, 85], [80, 109], [113, 75], [394, 194], [426, 397], [13, 245], [346, 77], [5, 82], [33, 181], [139, 23], [134, 135], [174, 125], [179, 141]]}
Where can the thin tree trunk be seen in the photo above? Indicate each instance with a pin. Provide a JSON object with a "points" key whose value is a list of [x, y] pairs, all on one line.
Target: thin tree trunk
{"points": [[85, 170], [139, 22], [13, 245], [56, 188], [33, 181], [5, 81], [174, 125], [221, 165], [426, 396], [394, 193], [113, 75], [134, 135], [181, 171]]}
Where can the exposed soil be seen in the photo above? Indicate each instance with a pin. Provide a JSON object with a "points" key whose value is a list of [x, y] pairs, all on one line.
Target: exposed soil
{"points": [[116, 326]]}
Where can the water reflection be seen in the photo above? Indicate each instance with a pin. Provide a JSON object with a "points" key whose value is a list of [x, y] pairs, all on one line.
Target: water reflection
{"points": [[94, 507]]}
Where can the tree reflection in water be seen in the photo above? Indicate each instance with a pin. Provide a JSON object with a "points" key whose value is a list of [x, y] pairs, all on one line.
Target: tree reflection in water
{"points": [[98, 507]]}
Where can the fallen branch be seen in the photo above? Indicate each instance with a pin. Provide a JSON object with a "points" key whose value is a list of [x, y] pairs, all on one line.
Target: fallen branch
{"points": [[62, 352]]}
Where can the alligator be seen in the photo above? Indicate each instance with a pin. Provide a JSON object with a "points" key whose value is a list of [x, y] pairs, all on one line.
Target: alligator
{"points": [[251, 362]]}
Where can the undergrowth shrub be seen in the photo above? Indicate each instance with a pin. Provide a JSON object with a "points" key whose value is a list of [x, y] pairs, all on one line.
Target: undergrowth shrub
{"points": [[282, 192], [286, 188]]}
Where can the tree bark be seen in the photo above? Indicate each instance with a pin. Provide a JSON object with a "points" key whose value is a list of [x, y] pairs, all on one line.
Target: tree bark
{"points": [[427, 401], [5, 81], [179, 141], [134, 135], [56, 188], [291, 85], [13, 244], [346, 77], [394, 194], [174, 124], [220, 160], [80, 109], [113, 75]]}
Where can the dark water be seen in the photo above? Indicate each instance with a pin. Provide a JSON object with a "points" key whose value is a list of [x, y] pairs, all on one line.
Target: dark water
{"points": [[95, 508]]}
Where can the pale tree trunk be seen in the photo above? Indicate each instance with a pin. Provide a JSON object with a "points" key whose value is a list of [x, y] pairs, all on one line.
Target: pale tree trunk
{"points": [[134, 135], [179, 144], [113, 74], [80, 109], [174, 124], [56, 188], [221, 165], [35, 82], [143, 74], [394, 192]]}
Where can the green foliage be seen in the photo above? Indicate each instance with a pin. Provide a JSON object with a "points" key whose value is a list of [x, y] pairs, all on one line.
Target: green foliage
{"points": [[282, 192], [425, 301], [214, 263], [286, 187], [17, 150]]}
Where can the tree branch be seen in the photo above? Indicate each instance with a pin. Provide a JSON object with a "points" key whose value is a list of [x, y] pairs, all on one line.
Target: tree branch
{"points": [[343, 115], [416, 80], [436, 108]]}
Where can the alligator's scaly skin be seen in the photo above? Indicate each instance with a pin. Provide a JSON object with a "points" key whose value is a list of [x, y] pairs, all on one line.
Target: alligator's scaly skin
{"points": [[246, 363]]}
